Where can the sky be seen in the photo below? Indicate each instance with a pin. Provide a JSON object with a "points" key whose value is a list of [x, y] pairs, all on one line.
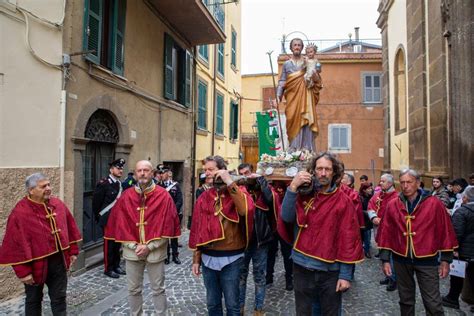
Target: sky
{"points": [[264, 22]]}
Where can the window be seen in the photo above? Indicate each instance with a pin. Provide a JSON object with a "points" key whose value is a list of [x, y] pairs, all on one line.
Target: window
{"points": [[267, 95], [103, 34], [234, 121], [220, 59], [203, 51], [339, 138], [400, 93], [220, 114], [219, 14], [178, 64], [372, 88], [202, 105], [233, 55]]}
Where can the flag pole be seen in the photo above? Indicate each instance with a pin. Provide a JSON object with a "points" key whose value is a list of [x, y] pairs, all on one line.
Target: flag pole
{"points": [[277, 101]]}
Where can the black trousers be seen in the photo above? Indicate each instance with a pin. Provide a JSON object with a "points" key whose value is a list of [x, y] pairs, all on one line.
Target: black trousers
{"points": [[457, 283], [173, 242], [428, 282], [56, 281], [316, 286], [111, 255], [271, 258]]}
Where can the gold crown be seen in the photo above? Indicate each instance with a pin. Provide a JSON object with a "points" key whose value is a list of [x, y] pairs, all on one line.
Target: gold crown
{"points": [[312, 45]]}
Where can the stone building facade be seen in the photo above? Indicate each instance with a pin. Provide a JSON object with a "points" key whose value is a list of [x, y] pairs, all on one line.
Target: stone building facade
{"points": [[427, 63]]}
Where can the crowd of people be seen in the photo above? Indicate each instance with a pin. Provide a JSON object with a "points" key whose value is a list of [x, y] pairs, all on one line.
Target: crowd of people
{"points": [[245, 217]]}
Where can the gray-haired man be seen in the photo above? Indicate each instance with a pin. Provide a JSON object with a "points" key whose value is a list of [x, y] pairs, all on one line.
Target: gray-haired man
{"points": [[40, 243]]}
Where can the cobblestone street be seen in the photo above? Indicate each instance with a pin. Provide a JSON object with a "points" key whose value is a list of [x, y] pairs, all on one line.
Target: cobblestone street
{"points": [[92, 293]]}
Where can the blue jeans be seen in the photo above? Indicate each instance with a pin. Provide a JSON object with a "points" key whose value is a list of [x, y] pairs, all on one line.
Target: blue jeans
{"points": [[258, 255], [224, 282], [366, 235]]}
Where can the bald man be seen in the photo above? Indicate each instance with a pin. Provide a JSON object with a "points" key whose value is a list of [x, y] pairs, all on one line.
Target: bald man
{"points": [[143, 220]]}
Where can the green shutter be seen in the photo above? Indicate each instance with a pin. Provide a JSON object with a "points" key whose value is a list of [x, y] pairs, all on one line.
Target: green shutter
{"points": [[169, 89], [235, 108], [92, 34], [231, 121], [234, 49], [118, 32], [202, 105], [188, 86], [220, 59], [220, 115]]}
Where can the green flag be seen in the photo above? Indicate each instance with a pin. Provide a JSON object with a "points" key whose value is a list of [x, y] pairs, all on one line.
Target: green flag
{"points": [[267, 133]]}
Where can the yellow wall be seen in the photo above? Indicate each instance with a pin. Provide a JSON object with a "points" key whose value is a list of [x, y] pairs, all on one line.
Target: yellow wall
{"points": [[397, 36], [232, 82], [252, 86]]}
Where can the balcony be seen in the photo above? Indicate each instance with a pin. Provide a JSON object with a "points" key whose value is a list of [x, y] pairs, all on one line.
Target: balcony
{"points": [[191, 19]]}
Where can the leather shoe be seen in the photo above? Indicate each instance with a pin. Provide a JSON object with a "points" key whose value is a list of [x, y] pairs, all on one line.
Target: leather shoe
{"points": [[448, 302], [120, 271], [289, 286], [384, 281], [176, 260], [167, 261], [112, 274], [367, 255], [392, 286]]}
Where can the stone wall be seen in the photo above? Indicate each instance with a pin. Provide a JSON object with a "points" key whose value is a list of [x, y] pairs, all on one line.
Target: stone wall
{"points": [[12, 188]]}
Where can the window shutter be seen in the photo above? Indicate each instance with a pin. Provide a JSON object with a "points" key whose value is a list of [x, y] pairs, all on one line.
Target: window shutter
{"points": [[235, 107], [231, 121], [118, 32], [234, 49], [188, 85], [92, 30], [168, 67], [219, 115]]}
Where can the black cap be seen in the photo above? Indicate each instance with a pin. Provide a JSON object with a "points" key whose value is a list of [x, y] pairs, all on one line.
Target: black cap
{"points": [[119, 163]]}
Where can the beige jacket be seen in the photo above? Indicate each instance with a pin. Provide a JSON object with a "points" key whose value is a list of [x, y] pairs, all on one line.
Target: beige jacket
{"points": [[157, 251]]}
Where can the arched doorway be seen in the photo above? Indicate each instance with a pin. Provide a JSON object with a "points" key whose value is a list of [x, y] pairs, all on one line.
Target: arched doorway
{"points": [[103, 134]]}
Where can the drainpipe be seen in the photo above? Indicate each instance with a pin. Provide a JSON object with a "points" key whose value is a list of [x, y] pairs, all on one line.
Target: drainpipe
{"points": [[66, 62], [214, 97], [194, 136]]}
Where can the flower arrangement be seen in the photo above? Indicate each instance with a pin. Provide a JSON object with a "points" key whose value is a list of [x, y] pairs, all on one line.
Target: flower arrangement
{"points": [[283, 160]]}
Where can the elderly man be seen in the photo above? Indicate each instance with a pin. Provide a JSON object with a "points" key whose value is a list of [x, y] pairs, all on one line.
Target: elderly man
{"points": [[417, 231], [323, 256], [376, 209], [220, 232], [40, 243], [142, 220]]}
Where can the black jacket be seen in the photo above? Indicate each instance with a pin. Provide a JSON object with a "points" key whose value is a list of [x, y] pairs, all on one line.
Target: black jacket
{"points": [[463, 223], [105, 193], [262, 232]]}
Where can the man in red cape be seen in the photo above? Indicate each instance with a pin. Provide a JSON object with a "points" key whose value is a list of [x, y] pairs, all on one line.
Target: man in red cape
{"points": [[326, 237], [40, 243], [220, 233], [417, 231], [376, 209], [143, 219]]}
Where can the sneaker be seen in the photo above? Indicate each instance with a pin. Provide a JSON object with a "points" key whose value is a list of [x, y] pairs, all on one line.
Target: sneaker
{"points": [[448, 302]]}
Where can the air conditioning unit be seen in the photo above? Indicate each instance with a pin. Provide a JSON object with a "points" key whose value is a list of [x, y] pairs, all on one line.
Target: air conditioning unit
{"points": [[357, 48]]}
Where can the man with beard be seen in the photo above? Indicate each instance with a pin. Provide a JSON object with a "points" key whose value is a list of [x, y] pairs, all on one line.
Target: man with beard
{"points": [[220, 232], [322, 255], [143, 220], [376, 209], [40, 243], [300, 110], [106, 194], [439, 191], [417, 232]]}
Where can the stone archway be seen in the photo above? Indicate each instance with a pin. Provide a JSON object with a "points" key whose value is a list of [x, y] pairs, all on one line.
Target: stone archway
{"points": [[111, 128]]}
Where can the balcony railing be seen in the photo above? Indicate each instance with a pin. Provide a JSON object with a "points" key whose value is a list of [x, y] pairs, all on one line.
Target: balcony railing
{"points": [[217, 10]]}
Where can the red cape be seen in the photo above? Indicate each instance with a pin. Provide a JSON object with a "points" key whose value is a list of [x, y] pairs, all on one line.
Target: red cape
{"points": [[31, 234], [206, 226], [355, 198], [160, 216], [428, 228], [328, 228], [378, 203]]}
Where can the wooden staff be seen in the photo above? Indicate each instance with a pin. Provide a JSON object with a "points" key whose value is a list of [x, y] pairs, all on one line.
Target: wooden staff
{"points": [[277, 101]]}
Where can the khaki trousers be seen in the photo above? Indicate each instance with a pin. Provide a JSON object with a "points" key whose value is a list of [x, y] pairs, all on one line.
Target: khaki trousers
{"points": [[156, 273]]}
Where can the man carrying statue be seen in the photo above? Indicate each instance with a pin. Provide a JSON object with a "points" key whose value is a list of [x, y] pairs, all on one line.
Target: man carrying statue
{"points": [[300, 83]]}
